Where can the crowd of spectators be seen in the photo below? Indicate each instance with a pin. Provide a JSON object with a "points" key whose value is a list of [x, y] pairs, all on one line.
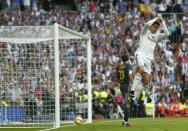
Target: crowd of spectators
{"points": [[114, 27]]}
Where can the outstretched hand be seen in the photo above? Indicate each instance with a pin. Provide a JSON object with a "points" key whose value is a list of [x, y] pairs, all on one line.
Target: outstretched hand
{"points": [[159, 19]]}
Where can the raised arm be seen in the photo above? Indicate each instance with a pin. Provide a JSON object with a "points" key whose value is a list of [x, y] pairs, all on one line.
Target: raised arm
{"points": [[148, 24], [166, 33], [165, 28]]}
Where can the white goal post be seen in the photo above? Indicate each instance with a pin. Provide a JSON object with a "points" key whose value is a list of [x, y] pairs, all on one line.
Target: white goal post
{"points": [[45, 76]]}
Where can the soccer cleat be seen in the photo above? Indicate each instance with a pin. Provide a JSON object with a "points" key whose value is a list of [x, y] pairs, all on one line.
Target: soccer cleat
{"points": [[126, 124]]}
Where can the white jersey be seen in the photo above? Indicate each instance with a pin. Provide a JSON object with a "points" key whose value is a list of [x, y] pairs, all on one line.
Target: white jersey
{"points": [[149, 40], [147, 44]]}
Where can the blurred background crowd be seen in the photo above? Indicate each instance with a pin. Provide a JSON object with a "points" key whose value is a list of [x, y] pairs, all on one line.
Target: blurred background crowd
{"points": [[114, 26]]}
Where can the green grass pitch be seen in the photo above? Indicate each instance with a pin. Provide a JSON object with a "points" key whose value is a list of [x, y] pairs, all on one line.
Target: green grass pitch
{"points": [[138, 124]]}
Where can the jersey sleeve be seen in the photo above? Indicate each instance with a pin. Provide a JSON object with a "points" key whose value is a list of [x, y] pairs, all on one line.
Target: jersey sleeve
{"points": [[166, 33], [147, 25]]}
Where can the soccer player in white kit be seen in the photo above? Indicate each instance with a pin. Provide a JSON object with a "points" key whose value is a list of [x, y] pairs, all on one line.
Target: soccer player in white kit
{"points": [[150, 35]]}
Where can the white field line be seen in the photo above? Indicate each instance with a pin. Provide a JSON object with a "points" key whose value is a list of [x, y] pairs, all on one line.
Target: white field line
{"points": [[101, 122], [48, 129]]}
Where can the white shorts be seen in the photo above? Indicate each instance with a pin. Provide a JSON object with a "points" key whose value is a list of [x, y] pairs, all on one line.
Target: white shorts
{"points": [[145, 62]]}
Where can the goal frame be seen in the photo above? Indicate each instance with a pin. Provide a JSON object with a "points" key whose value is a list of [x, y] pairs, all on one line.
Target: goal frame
{"points": [[56, 38]]}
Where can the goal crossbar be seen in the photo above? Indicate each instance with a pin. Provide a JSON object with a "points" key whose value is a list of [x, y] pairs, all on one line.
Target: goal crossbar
{"points": [[22, 34]]}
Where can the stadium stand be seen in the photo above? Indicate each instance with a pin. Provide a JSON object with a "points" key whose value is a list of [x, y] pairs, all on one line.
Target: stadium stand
{"points": [[113, 25]]}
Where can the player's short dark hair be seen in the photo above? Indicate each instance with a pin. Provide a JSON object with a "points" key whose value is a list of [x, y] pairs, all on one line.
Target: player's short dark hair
{"points": [[156, 22], [125, 58]]}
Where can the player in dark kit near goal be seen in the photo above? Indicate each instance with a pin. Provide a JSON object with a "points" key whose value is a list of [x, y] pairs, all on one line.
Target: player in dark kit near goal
{"points": [[124, 75]]}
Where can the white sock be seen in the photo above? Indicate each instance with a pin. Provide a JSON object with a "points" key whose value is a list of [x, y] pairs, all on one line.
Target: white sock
{"points": [[138, 90], [136, 84], [136, 81]]}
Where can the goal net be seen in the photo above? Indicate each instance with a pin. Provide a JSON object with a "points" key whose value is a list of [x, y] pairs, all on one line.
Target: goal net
{"points": [[45, 76]]}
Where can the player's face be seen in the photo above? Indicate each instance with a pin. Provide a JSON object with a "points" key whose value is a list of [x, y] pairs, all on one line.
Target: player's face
{"points": [[154, 28]]}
